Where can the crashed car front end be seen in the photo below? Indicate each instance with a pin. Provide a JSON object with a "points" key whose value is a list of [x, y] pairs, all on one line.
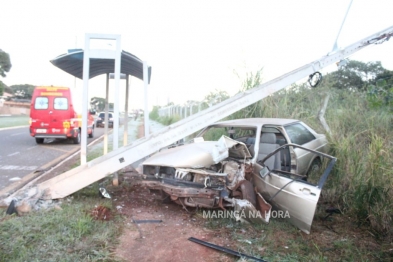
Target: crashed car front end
{"points": [[208, 174]]}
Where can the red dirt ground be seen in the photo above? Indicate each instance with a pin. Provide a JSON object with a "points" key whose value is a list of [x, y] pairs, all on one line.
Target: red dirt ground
{"points": [[165, 241]]}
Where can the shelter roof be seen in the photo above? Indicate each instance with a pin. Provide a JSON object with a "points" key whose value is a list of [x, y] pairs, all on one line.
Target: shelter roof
{"points": [[72, 63]]}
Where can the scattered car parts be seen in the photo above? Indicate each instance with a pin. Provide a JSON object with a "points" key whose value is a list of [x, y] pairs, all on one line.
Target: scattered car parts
{"points": [[104, 193]]}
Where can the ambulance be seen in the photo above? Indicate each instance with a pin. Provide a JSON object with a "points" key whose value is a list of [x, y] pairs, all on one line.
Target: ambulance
{"points": [[52, 115]]}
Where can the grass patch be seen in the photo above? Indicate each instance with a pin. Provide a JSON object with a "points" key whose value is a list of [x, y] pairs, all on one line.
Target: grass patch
{"points": [[69, 234], [281, 241], [12, 121]]}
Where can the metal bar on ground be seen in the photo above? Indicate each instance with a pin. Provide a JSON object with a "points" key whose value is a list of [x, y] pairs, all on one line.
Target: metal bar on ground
{"points": [[224, 249], [146, 221]]}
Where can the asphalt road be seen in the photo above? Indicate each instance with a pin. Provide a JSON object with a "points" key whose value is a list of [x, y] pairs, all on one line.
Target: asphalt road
{"points": [[20, 155]]}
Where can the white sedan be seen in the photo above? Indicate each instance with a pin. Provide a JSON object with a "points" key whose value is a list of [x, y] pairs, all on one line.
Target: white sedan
{"points": [[249, 165]]}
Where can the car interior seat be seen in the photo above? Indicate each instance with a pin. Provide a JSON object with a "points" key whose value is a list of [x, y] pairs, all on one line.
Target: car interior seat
{"points": [[266, 146], [250, 142]]}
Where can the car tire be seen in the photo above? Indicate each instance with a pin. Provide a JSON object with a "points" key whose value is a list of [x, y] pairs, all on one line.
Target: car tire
{"points": [[39, 140], [77, 139], [91, 135]]}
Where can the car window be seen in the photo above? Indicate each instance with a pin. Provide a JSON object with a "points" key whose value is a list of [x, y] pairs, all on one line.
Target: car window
{"points": [[237, 133], [60, 103], [299, 134], [41, 102], [213, 134]]}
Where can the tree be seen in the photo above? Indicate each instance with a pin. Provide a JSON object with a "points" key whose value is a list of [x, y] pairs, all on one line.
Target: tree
{"points": [[5, 63], [355, 74], [384, 79], [2, 87], [23, 91], [98, 103], [216, 97]]}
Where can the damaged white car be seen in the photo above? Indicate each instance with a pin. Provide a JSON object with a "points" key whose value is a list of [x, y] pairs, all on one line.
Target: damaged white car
{"points": [[246, 165]]}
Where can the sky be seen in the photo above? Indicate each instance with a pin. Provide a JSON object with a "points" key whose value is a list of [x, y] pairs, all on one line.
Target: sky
{"points": [[193, 47]]}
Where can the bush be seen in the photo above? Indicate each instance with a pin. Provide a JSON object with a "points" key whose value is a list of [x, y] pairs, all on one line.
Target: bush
{"points": [[154, 113]]}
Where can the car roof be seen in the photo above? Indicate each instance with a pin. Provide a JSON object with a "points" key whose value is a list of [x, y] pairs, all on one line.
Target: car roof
{"points": [[257, 122]]}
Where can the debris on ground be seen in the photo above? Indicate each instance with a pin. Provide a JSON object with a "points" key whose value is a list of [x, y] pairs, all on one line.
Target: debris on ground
{"points": [[101, 213]]}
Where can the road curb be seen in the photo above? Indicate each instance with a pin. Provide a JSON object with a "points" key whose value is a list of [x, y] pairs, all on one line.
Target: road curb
{"points": [[12, 127]]}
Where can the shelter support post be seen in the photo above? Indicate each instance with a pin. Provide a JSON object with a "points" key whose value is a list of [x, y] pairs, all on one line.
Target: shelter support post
{"points": [[146, 111], [115, 181], [125, 137], [85, 95], [106, 115]]}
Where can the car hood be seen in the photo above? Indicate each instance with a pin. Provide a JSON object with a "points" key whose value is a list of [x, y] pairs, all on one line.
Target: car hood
{"points": [[199, 154]]}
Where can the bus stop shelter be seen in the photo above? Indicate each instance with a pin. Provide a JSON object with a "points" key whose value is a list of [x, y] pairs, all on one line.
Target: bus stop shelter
{"points": [[89, 63]]}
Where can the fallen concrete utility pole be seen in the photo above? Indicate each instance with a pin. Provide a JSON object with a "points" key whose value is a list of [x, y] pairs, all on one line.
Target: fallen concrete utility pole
{"points": [[88, 173]]}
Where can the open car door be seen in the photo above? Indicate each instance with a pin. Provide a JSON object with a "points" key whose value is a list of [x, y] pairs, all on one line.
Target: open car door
{"points": [[289, 192]]}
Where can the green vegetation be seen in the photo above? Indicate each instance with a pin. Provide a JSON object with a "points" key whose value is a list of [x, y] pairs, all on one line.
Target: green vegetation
{"points": [[5, 66], [98, 103], [69, 234], [22, 91], [165, 120], [2, 87], [177, 112], [6, 121], [5, 63], [281, 241]]}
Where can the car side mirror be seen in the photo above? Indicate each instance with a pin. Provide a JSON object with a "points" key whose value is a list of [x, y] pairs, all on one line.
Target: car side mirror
{"points": [[264, 172]]}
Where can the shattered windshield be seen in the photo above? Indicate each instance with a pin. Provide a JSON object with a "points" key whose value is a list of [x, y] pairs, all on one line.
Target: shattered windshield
{"points": [[242, 134]]}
